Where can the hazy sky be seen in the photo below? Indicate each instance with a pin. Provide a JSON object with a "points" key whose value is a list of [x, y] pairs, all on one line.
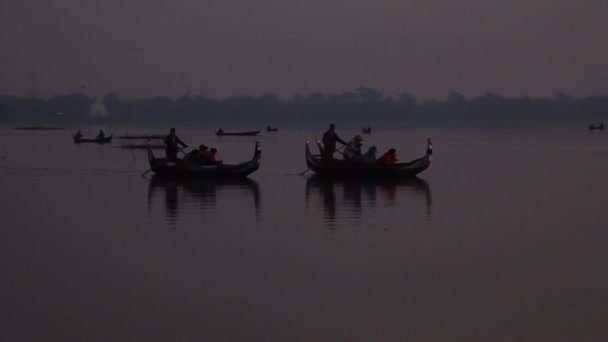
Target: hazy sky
{"points": [[238, 47]]}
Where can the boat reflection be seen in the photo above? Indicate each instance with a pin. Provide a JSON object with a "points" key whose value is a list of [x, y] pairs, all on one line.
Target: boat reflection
{"points": [[353, 196], [181, 195]]}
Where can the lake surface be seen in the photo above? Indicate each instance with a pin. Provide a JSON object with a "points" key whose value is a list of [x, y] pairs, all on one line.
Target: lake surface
{"points": [[503, 238]]}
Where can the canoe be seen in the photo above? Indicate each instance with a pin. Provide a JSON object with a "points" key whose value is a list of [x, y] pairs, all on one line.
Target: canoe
{"points": [[168, 169], [245, 133], [272, 129], [343, 169], [96, 140], [599, 127]]}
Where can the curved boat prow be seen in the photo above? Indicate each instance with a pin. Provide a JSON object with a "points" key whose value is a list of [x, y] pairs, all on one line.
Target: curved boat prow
{"points": [[429, 147], [150, 153], [257, 153]]}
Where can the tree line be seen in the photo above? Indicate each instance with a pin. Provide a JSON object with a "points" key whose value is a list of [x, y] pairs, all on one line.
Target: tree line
{"points": [[360, 104]]}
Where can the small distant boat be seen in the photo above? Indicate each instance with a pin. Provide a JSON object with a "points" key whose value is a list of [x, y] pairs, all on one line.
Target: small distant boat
{"points": [[599, 127], [221, 132], [271, 129], [366, 130], [143, 137], [178, 170], [38, 128], [345, 169], [104, 140]]}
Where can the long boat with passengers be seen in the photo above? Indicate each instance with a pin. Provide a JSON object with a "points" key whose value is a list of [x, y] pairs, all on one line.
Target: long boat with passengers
{"points": [[344, 168], [104, 140], [181, 169]]}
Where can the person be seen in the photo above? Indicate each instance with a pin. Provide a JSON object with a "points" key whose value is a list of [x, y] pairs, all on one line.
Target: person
{"points": [[78, 134], [389, 157], [171, 145], [353, 148], [203, 155], [370, 155], [192, 156], [330, 137], [220, 131], [213, 156], [101, 134]]}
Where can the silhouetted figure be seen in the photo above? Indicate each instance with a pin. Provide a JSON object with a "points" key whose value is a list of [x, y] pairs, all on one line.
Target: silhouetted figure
{"points": [[204, 155], [171, 145], [389, 157], [353, 149], [330, 137], [370, 155], [213, 157], [78, 134], [101, 134]]}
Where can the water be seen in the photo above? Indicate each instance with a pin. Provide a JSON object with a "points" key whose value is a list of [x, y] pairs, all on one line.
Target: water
{"points": [[502, 238]]}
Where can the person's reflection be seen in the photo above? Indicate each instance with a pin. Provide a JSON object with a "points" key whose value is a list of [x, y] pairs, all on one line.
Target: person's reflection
{"points": [[203, 192], [357, 193]]}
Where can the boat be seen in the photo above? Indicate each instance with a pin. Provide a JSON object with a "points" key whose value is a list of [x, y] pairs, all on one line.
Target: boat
{"points": [[599, 127], [271, 129], [221, 132], [366, 130], [105, 140], [343, 168], [169, 169]]}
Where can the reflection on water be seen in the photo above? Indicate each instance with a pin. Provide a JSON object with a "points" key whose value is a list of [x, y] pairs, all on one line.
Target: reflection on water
{"points": [[183, 195], [353, 196]]}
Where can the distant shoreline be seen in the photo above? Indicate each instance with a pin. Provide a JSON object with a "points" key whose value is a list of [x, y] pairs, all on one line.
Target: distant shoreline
{"points": [[38, 128]]}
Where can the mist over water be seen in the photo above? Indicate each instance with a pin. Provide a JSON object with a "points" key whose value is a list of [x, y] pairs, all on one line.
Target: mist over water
{"points": [[502, 238]]}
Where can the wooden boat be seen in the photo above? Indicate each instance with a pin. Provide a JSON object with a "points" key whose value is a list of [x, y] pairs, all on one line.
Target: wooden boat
{"points": [[599, 127], [105, 140], [366, 130], [344, 168], [272, 129], [179, 169], [220, 132]]}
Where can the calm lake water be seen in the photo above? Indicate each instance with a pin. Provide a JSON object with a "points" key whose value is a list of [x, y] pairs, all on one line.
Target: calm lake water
{"points": [[503, 238]]}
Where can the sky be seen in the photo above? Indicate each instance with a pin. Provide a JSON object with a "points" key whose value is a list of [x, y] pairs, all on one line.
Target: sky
{"points": [[221, 48]]}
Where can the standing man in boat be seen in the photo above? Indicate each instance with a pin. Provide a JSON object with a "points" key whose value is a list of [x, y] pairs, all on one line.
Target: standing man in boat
{"points": [[329, 142], [171, 142]]}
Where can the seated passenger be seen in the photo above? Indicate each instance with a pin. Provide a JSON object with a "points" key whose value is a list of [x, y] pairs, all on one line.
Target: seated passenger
{"points": [[204, 155], [389, 157], [191, 156], [101, 134], [370, 155], [212, 157], [353, 149]]}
